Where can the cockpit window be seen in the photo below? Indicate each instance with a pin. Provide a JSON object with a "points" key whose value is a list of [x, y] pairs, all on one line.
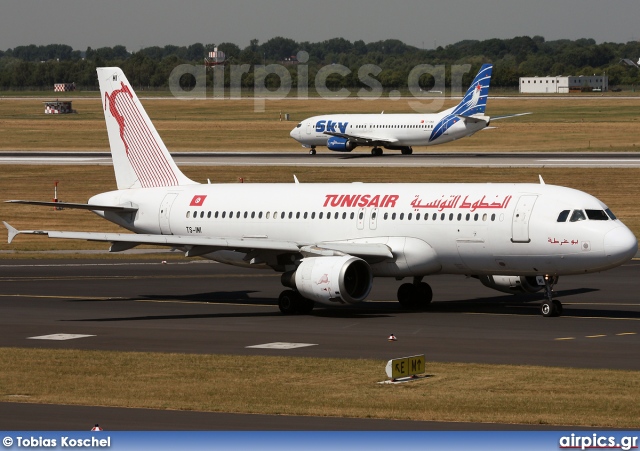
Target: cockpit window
{"points": [[611, 215], [299, 125], [577, 215], [564, 214], [597, 215]]}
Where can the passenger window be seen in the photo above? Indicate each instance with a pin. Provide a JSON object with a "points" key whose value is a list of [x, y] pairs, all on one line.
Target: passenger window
{"points": [[202, 214], [260, 215], [417, 216], [290, 214], [450, 216], [493, 217], [353, 215], [224, 213], [320, 215], [298, 215], [442, 216], [597, 215], [475, 217], [409, 216], [246, 213], [253, 214], [268, 214], [435, 216], [468, 216], [313, 215], [484, 217], [459, 216], [577, 215], [344, 215], [386, 216], [216, 215], [401, 216], [188, 214], [393, 216], [564, 214], [305, 215]]}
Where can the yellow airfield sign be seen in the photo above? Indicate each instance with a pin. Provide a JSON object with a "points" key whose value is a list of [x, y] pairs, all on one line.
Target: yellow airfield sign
{"points": [[405, 366]]}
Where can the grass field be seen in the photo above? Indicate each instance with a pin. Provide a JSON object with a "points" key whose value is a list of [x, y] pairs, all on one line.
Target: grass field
{"points": [[593, 123], [308, 386]]}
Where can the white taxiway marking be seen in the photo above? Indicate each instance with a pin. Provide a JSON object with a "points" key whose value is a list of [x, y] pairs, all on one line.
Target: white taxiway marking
{"points": [[59, 337], [282, 345]]}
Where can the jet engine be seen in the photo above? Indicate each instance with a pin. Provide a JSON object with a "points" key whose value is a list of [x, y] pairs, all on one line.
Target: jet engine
{"points": [[511, 284], [331, 280], [340, 144]]}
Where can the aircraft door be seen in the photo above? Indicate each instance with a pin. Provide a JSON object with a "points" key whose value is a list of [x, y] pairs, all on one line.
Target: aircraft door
{"points": [[373, 219], [521, 216], [361, 214], [164, 213], [310, 128]]}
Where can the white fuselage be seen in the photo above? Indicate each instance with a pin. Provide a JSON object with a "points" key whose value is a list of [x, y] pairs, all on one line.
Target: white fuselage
{"points": [[398, 129], [470, 229]]}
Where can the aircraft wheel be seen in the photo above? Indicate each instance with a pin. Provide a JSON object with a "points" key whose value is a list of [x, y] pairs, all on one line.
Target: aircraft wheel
{"points": [[425, 293], [305, 305], [549, 309], [312, 151], [288, 302], [558, 305], [376, 151], [407, 151], [407, 295]]}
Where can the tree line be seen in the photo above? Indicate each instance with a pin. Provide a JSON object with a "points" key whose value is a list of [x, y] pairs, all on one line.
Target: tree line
{"points": [[39, 67]]}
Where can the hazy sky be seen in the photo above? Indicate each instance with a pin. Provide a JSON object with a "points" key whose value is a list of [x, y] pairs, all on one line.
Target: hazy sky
{"points": [[143, 23]]}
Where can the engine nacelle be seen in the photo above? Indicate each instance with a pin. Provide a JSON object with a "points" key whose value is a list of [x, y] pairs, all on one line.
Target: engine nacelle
{"points": [[512, 284], [340, 144], [331, 280]]}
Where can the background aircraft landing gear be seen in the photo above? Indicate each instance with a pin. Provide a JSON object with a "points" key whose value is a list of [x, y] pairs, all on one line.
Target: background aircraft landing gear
{"points": [[291, 302], [416, 295], [550, 307], [376, 151], [312, 151], [407, 151]]}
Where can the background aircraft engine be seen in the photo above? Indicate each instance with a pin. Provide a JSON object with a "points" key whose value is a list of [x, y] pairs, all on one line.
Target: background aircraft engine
{"points": [[331, 280], [511, 284], [340, 144]]}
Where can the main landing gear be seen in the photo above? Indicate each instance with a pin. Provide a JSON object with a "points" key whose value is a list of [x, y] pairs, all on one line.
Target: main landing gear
{"points": [[291, 302], [416, 295], [550, 307], [312, 151], [376, 151]]}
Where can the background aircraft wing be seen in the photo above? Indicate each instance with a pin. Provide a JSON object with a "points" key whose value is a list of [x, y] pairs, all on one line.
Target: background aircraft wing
{"points": [[363, 140]]}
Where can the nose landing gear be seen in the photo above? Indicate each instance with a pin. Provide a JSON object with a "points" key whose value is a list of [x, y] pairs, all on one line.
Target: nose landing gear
{"points": [[550, 307]]}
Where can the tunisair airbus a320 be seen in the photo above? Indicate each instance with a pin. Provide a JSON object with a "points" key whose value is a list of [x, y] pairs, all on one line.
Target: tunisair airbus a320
{"points": [[330, 240]]}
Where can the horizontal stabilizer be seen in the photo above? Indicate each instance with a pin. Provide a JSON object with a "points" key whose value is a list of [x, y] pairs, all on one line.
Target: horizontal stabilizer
{"points": [[496, 118], [76, 206]]}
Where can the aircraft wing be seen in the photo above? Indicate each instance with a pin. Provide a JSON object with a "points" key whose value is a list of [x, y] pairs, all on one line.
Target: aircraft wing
{"points": [[363, 140], [119, 209], [497, 118], [200, 245]]}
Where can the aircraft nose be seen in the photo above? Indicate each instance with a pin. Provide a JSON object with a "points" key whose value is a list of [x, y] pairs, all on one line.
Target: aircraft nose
{"points": [[620, 244], [294, 133]]}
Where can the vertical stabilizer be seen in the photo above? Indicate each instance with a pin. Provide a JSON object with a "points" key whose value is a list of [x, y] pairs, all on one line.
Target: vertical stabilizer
{"points": [[475, 100], [140, 158]]}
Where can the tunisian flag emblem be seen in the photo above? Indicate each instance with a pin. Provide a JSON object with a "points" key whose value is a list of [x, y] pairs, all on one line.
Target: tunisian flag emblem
{"points": [[197, 201]]}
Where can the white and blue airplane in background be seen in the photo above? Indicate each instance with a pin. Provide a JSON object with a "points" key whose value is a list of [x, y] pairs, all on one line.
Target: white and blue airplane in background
{"points": [[330, 240], [345, 132]]}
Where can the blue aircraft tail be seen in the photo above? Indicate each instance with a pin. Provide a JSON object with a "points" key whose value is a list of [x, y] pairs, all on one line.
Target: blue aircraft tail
{"points": [[475, 100]]}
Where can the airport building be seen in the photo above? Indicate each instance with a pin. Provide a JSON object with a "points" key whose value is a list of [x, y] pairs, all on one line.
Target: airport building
{"points": [[563, 85]]}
